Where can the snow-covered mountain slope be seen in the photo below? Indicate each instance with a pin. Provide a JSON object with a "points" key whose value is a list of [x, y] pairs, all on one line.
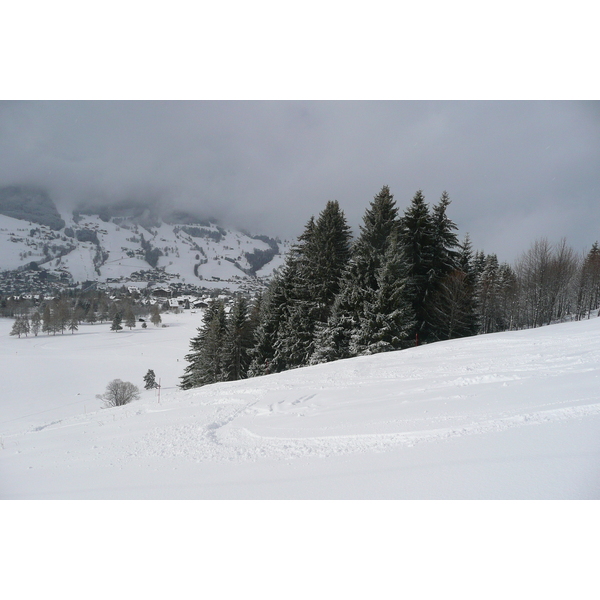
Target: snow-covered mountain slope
{"points": [[508, 415], [89, 248]]}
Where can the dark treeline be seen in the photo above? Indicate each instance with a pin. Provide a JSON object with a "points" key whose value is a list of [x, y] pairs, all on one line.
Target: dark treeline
{"points": [[406, 279], [67, 312]]}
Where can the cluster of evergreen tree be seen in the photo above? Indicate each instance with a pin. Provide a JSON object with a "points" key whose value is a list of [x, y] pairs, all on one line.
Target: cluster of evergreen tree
{"points": [[221, 350], [405, 279], [65, 314], [54, 317]]}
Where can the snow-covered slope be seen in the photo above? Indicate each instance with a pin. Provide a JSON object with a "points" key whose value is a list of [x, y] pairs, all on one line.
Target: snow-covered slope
{"points": [[92, 249], [509, 415]]}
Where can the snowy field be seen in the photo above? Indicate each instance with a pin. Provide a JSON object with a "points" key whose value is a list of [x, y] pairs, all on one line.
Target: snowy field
{"points": [[506, 416]]}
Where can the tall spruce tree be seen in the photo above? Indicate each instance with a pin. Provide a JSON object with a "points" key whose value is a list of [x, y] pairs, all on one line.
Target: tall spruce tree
{"points": [[47, 320], [150, 380], [417, 237], [294, 332], [320, 257], [325, 257], [206, 357], [238, 341], [62, 314], [588, 295], [36, 321], [446, 247], [387, 318], [116, 323], [356, 322], [129, 316], [20, 326], [453, 308], [269, 319]]}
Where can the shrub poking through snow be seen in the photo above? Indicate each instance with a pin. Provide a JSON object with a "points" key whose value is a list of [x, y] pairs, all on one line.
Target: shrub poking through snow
{"points": [[119, 393]]}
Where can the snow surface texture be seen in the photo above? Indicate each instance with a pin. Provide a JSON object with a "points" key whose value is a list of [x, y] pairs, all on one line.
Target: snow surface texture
{"points": [[513, 415]]}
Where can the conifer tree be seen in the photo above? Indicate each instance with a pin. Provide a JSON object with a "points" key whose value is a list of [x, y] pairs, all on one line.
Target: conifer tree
{"points": [[301, 296], [62, 314], [588, 297], [103, 310], [191, 374], [78, 314], [116, 323], [47, 326], [73, 323], [155, 317], [446, 248], [294, 342], [129, 316], [285, 289], [206, 357], [20, 326], [270, 317], [238, 341], [150, 380], [417, 236], [36, 321], [297, 313], [453, 311], [356, 323], [388, 318], [466, 260], [325, 257]]}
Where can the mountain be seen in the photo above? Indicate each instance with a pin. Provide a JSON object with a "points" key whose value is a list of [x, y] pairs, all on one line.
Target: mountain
{"points": [[123, 243], [30, 204]]}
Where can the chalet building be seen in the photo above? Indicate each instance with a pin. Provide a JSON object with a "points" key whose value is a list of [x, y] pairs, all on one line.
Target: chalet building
{"points": [[161, 293]]}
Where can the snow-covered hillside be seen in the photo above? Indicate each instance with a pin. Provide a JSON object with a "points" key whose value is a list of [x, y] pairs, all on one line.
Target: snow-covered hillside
{"points": [[89, 248], [509, 415]]}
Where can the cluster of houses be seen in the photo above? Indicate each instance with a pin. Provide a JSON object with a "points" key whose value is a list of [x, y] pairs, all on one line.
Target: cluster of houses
{"points": [[185, 301]]}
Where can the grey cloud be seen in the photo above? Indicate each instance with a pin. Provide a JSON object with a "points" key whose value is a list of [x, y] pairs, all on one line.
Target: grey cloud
{"points": [[514, 170]]}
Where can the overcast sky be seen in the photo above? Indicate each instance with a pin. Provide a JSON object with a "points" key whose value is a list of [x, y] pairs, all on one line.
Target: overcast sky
{"points": [[515, 171]]}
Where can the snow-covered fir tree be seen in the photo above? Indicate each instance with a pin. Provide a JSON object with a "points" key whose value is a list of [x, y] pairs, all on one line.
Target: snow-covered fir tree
{"points": [[206, 356], [351, 328], [270, 316], [47, 321], [417, 237], [388, 318], [453, 308], [20, 326], [150, 380], [116, 323], [588, 294], [238, 340], [319, 259], [36, 322], [73, 323], [129, 316]]}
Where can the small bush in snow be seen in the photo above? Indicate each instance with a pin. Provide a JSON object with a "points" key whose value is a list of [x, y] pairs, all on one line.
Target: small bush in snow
{"points": [[119, 393]]}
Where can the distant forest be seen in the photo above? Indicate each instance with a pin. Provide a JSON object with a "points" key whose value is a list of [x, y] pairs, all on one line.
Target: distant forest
{"points": [[405, 280]]}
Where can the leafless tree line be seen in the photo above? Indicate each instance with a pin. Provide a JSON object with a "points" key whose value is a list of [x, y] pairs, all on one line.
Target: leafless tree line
{"points": [[548, 283]]}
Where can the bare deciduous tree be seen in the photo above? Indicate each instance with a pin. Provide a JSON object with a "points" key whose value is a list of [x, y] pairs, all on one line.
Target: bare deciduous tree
{"points": [[119, 393], [546, 275]]}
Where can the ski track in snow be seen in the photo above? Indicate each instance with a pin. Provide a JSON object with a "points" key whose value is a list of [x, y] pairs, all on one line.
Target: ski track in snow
{"points": [[222, 441]]}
